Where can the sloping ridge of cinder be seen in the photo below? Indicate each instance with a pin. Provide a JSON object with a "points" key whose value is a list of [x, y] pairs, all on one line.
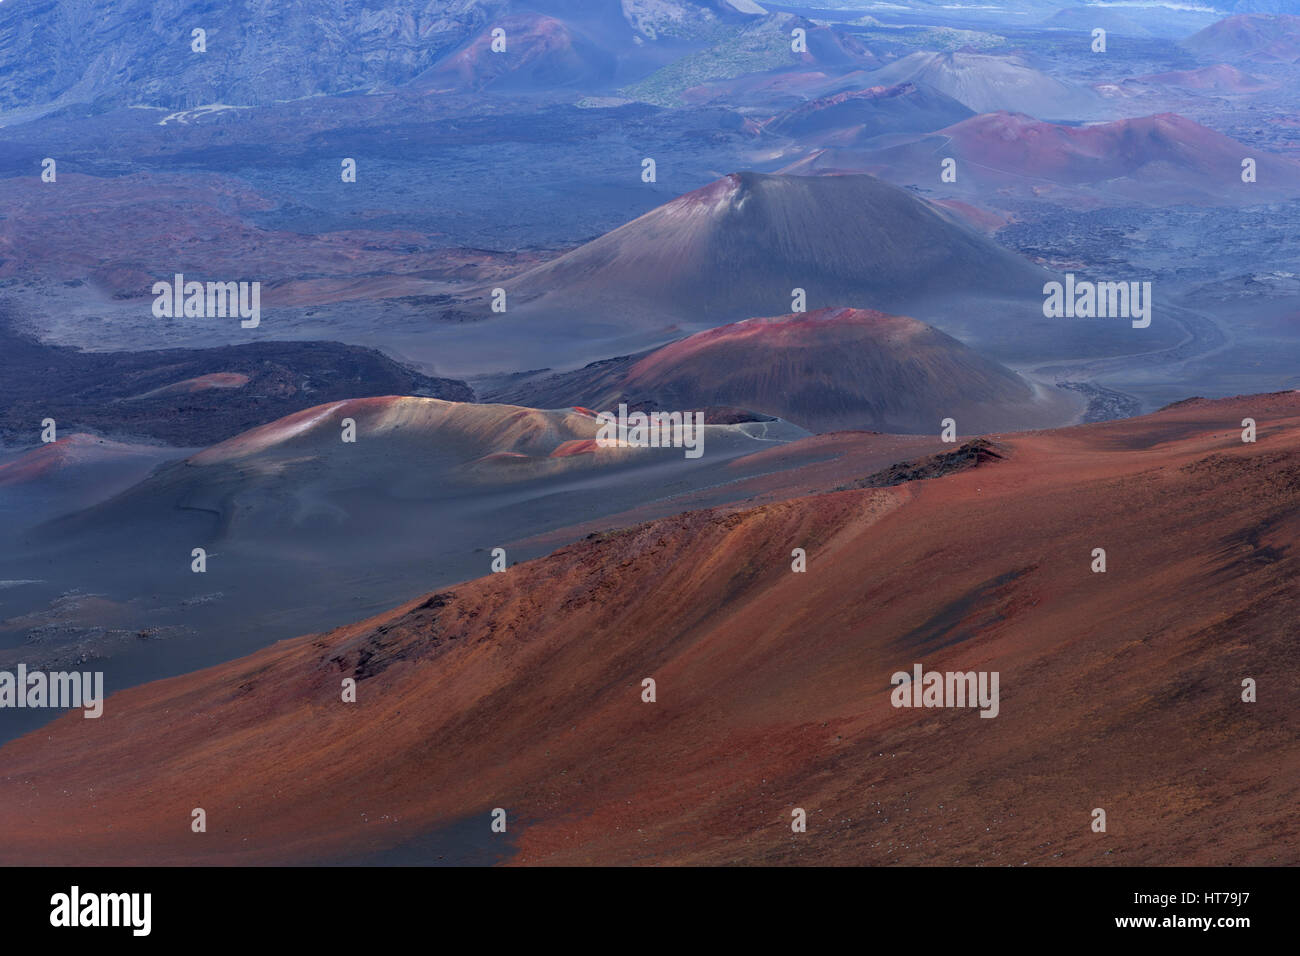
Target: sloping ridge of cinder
{"points": [[523, 690]]}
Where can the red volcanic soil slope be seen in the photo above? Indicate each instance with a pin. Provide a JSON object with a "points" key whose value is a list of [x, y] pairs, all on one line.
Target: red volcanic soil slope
{"points": [[198, 384], [1259, 37], [1220, 78], [522, 690], [825, 370], [842, 368], [540, 52], [1022, 145], [1164, 157]]}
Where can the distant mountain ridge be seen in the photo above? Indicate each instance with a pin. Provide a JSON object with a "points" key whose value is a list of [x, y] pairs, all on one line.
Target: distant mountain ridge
{"points": [[139, 52]]}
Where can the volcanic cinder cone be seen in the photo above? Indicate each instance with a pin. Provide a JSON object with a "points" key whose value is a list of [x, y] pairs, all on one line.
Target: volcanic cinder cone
{"points": [[1253, 37], [823, 370], [739, 246], [985, 83], [855, 116]]}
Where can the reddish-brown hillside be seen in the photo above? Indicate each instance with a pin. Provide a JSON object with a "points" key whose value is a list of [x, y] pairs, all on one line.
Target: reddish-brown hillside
{"points": [[1118, 690], [825, 370]]}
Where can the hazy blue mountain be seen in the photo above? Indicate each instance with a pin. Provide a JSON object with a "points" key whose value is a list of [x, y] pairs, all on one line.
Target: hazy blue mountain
{"points": [[127, 52]]}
